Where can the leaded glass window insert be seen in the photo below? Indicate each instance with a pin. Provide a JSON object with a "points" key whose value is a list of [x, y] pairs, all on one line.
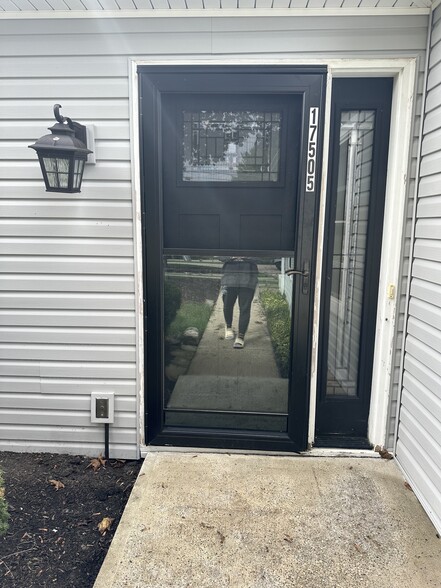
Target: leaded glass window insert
{"points": [[231, 146]]}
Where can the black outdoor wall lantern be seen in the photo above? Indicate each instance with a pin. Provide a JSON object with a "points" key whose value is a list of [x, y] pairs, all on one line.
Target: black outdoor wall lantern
{"points": [[62, 154]]}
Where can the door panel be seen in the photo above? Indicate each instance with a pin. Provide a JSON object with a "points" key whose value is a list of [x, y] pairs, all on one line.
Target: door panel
{"points": [[230, 173], [361, 118], [227, 184]]}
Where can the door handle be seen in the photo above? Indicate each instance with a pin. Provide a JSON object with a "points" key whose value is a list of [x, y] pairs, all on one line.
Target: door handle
{"points": [[304, 273]]}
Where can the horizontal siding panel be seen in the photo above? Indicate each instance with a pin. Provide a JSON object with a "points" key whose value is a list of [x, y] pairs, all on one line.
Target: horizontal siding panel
{"points": [[65, 88], [74, 353], [432, 121], [435, 55], [65, 300], [117, 451], [66, 417], [71, 209], [79, 109], [430, 165], [430, 401], [56, 66], [373, 25], [102, 171], [66, 228], [23, 388], [27, 189], [72, 434], [66, 265], [425, 333], [30, 130], [328, 41], [154, 43], [430, 186], [108, 150], [428, 249], [48, 283], [420, 372], [19, 368], [428, 450], [423, 353], [72, 369], [426, 291], [122, 26], [67, 247], [411, 459], [428, 313], [434, 77], [427, 228], [433, 99], [67, 318], [427, 270], [431, 142], [78, 386], [430, 207], [64, 335], [69, 369]]}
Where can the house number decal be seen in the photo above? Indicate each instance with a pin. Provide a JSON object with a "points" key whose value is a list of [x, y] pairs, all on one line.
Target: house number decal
{"points": [[312, 149]]}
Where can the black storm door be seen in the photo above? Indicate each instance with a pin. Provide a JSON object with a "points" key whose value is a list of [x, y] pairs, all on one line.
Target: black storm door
{"points": [[356, 188], [231, 160]]}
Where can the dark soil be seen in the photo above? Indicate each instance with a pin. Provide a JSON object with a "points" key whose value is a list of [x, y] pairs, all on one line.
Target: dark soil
{"points": [[53, 537]]}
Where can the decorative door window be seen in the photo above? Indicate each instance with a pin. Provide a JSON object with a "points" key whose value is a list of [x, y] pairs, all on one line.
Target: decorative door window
{"points": [[349, 256], [231, 146]]}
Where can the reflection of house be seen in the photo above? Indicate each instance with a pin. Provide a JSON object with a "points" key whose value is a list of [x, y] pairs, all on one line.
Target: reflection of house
{"points": [[73, 270]]}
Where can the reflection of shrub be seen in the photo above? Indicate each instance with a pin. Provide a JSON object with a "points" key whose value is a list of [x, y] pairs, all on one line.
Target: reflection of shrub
{"points": [[3, 509], [191, 314], [172, 302], [279, 326]]}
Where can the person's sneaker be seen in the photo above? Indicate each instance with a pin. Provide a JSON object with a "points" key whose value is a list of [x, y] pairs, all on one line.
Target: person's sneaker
{"points": [[239, 343], [229, 333]]}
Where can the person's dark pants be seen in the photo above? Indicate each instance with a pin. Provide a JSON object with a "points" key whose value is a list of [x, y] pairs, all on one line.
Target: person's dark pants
{"points": [[245, 296]]}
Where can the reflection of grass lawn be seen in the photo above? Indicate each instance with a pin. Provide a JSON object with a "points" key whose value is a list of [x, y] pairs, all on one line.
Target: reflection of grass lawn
{"points": [[190, 314], [279, 325]]}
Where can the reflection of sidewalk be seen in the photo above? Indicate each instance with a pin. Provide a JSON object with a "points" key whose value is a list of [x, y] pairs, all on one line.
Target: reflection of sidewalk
{"points": [[216, 356], [233, 381]]}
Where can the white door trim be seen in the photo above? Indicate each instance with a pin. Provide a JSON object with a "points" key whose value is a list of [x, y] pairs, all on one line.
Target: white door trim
{"points": [[404, 71]]}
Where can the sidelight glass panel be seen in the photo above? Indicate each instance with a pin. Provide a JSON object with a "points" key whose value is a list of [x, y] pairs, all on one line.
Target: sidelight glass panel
{"points": [[349, 251], [211, 380], [231, 146]]}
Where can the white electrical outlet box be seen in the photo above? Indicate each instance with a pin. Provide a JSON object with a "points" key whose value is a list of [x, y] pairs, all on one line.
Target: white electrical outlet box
{"points": [[102, 407]]}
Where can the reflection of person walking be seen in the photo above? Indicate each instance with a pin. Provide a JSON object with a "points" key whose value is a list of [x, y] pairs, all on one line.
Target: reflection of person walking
{"points": [[239, 281]]}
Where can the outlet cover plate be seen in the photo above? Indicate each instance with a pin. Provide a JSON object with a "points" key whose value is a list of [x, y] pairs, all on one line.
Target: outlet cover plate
{"points": [[98, 406]]}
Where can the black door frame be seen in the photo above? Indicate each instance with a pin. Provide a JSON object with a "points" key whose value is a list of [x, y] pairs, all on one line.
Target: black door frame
{"points": [[340, 421], [154, 81]]}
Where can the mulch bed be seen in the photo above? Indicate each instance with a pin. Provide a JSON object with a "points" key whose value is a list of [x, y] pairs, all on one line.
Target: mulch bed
{"points": [[53, 537]]}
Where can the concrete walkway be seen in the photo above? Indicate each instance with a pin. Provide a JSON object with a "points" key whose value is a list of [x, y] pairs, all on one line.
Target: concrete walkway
{"points": [[211, 521]]}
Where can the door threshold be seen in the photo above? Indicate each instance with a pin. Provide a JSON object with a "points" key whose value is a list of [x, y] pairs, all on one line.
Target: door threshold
{"points": [[314, 452]]}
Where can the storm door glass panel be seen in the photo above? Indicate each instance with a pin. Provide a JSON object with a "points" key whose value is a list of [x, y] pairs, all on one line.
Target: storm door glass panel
{"points": [[231, 146], [210, 382], [349, 251]]}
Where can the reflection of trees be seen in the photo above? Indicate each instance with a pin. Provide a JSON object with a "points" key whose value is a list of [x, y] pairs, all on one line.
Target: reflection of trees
{"points": [[240, 139]]}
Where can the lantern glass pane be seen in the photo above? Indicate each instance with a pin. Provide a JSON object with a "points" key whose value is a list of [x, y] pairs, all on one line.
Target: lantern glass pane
{"points": [[78, 173], [57, 170]]}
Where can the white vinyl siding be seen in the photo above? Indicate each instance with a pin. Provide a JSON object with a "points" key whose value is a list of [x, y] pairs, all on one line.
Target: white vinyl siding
{"points": [[419, 433], [67, 291]]}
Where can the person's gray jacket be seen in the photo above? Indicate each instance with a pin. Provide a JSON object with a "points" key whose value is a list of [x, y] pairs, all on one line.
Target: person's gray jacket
{"points": [[239, 273]]}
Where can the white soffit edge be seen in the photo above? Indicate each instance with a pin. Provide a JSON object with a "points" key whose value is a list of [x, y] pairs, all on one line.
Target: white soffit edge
{"points": [[206, 8]]}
